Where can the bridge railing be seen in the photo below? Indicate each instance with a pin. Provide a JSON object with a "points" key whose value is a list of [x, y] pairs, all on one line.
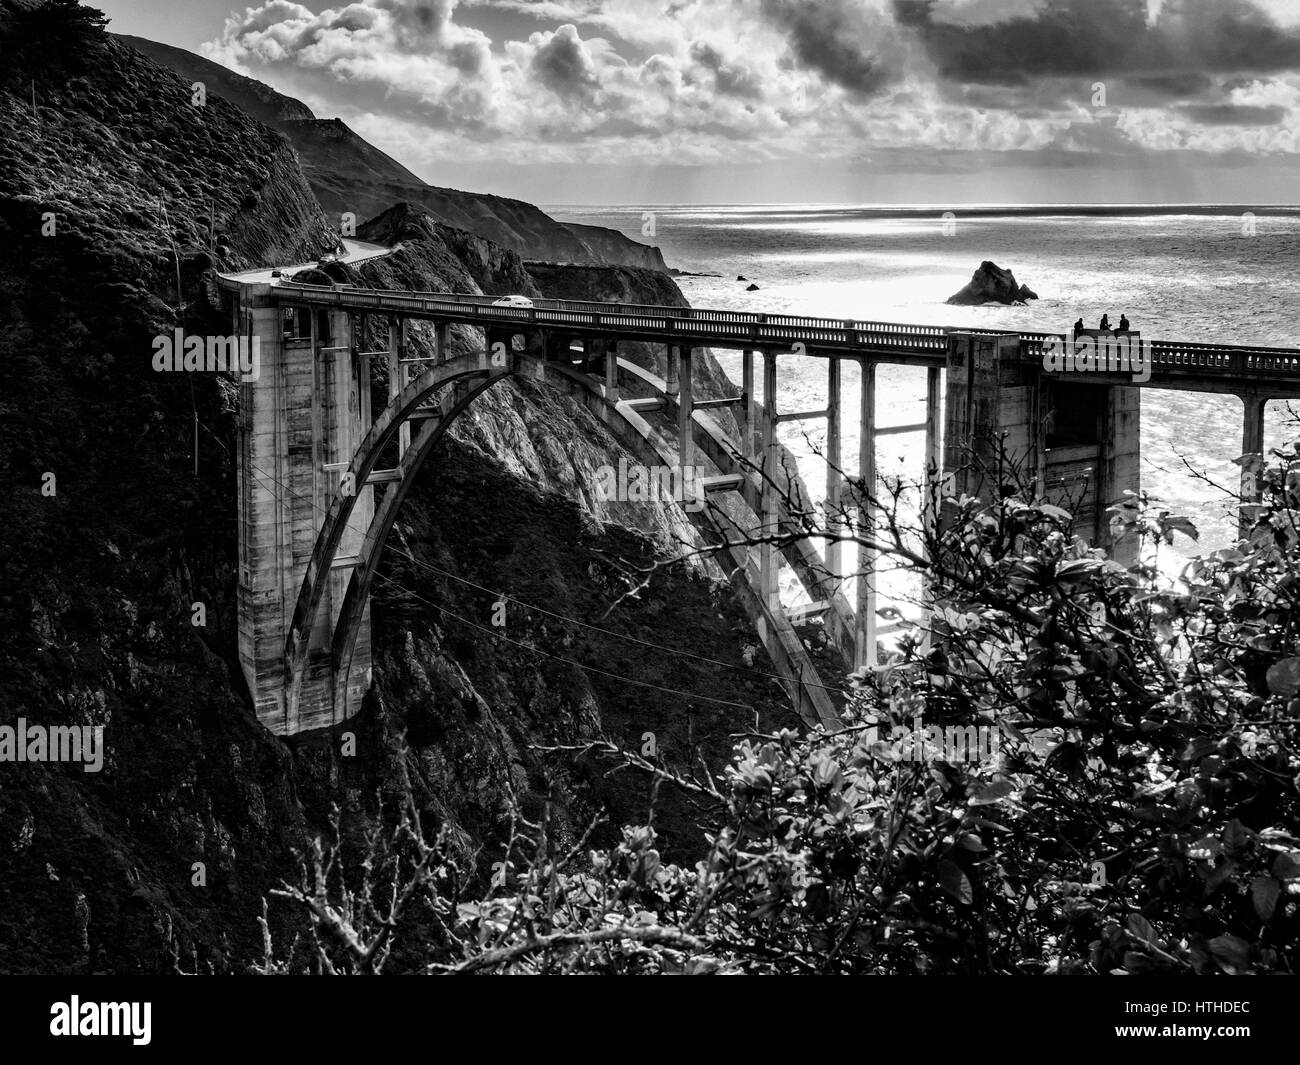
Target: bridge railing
{"points": [[765, 329], [738, 325]]}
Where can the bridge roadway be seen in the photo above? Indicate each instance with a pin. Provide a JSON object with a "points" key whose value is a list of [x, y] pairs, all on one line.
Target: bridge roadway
{"points": [[1185, 365]]}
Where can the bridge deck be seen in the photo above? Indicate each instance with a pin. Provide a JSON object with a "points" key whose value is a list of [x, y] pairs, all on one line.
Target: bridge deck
{"points": [[1175, 364]]}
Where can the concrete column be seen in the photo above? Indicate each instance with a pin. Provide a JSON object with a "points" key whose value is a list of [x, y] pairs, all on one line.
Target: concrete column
{"points": [[317, 498], [834, 549], [685, 408], [441, 342], [264, 506], [1252, 443], [864, 611], [397, 376], [1121, 467], [933, 458], [979, 410], [769, 558], [748, 408], [933, 489], [307, 410], [611, 371], [345, 403], [674, 369]]}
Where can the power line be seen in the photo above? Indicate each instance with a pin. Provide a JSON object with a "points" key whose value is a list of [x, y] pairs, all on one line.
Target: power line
{"points": [[561, 658], [704, 659], [500, 636], [608, 632]]}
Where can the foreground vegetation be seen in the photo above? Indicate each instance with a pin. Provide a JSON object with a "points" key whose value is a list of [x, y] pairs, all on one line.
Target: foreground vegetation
{"points": [[1140, 815]]}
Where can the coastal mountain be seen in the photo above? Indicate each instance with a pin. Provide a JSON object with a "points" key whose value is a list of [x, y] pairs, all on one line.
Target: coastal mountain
{"points": [[347, 173]]}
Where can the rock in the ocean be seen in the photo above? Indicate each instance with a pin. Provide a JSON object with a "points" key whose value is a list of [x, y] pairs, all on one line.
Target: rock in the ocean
{"points": [[752, 288], [741, 277], [992, 284]]}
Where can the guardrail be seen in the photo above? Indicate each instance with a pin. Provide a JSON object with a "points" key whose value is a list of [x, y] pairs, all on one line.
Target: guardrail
{"points": [[921, 341]]}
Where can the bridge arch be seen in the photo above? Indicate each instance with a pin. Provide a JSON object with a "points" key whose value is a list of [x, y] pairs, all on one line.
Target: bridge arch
{"points": [[627, 426], [474, 366], [638, 437]]}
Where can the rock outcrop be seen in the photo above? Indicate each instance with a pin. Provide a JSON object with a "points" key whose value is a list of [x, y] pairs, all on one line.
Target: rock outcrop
{"points": [[614, 249], [992, 284]]}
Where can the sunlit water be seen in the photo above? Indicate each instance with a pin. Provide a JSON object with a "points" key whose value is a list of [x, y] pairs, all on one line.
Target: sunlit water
{"points": [[1180, 277]]}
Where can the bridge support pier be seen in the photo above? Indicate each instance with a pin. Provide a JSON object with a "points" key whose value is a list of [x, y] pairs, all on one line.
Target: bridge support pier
{"points": [[672, 376], [1252, 443], [300, 423], [834, 515], [610, 369], [1010, 427], [933, 488], [397, 376], [865, 653], [769, 559], [685, 412], [748, 408]]}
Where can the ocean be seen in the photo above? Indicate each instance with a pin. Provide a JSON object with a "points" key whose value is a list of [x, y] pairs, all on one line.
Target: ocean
{"points": [[1216, 276]]}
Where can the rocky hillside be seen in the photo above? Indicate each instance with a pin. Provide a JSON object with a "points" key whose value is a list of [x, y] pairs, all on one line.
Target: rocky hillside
{"points": [[118, 201], [614, 248], [349, 174], [254, 98]]}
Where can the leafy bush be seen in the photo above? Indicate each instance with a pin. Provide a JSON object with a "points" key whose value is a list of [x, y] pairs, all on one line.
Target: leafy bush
{"points": [[1140, 814]]}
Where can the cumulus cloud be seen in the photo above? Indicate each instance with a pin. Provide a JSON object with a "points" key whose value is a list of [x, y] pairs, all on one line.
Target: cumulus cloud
{"points": [[563, 62], [699, 81], [849, 42], [1100, 37]]}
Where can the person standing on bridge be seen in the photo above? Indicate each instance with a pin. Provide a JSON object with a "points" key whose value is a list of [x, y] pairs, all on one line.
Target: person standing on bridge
{"points": [[1105, 323], [1078, 327]]}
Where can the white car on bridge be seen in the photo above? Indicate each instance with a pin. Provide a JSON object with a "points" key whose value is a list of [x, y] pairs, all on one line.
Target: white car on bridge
{"points": [[513, 301]]}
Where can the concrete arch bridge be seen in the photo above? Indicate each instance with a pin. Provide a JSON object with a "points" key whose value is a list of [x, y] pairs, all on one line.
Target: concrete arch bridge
{"points": [[316, 506]]}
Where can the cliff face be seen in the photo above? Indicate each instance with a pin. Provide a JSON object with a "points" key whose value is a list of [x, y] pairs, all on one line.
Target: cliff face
{"points": [[568, 281], [614, 248], [349, 174], [111, 536], [121, 520], [438, 257]]}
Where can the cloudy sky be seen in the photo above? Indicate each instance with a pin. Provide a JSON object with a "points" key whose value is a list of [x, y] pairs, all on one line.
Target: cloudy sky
{"points": [[884, 101]]}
